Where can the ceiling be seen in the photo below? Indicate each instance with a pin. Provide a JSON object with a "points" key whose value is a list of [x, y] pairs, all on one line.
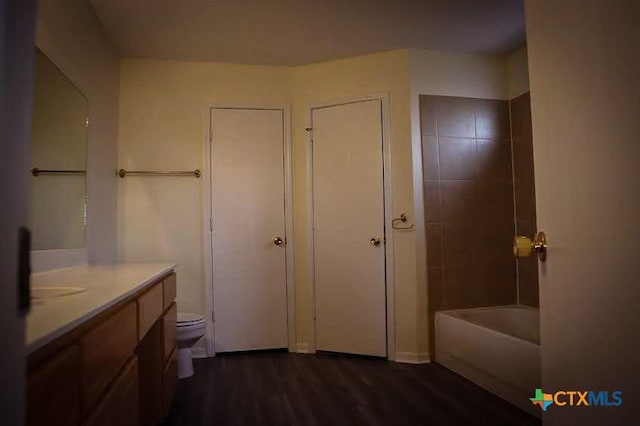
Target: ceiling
{"points": [[296, 32]]}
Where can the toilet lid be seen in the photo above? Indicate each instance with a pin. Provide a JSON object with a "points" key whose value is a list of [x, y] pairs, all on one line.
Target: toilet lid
{"points": [[187, 319]]}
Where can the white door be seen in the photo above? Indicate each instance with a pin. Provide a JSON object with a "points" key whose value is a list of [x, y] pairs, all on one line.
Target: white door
{"points": [[249, 267], [584, 68], [348, 218]]}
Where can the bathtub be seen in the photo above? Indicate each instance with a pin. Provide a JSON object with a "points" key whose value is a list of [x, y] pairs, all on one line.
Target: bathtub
{"points": [[498, 348]]}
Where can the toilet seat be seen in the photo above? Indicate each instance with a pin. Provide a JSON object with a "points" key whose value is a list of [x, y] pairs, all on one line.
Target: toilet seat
{"points": [[187, 319]]}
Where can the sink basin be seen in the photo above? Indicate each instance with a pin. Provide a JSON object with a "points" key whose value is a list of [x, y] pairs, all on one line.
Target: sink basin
{"points": [[39, 293]]}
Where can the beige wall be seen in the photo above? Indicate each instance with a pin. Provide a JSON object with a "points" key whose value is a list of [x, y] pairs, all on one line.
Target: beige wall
{"points": [[163, 124], [518, 72], [71, 35], [458, 74], [584, 68]]}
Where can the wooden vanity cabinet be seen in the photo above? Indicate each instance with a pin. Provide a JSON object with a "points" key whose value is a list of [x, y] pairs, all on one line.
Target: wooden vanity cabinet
{"points": [[117, 369]]}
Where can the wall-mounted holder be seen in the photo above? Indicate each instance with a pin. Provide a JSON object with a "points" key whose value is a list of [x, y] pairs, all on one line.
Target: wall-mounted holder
{"points": [[404, 219], [525, 246]]}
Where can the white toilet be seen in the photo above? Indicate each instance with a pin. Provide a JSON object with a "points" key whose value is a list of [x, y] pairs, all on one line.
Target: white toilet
{"points": [[190, 330]]}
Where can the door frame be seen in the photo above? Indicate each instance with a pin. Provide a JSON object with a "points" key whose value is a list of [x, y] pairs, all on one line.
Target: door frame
{"points": [[207, 216], [388, 217]]}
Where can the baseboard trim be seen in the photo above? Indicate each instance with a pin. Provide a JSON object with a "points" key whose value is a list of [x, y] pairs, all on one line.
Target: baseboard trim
{"points": [[302, 348], [412, 357]]}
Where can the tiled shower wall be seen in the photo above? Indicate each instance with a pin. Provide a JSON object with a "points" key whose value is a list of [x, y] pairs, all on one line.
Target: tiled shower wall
{"points": [[469, 202]]}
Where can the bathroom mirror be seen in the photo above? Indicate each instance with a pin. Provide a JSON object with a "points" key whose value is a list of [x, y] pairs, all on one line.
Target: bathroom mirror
{"points": [[59, 128]]}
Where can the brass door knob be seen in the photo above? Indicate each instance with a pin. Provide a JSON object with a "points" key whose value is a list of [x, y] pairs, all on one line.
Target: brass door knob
{"points": [[525, 246], [375, 241], [278, 241]]}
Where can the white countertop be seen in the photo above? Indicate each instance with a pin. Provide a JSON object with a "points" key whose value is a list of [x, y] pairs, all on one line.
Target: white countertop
{"points": [[105, 286]]}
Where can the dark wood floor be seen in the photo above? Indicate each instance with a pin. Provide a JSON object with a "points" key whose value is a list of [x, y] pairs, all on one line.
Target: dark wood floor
{"points": [[278, 388]]}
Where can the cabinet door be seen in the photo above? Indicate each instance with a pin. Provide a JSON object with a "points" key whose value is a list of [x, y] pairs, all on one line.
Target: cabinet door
{"points": [[119, 407], [53, 390]]}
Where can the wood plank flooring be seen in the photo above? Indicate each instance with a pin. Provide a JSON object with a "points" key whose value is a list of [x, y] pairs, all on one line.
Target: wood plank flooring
{"points": [[279, 388]]}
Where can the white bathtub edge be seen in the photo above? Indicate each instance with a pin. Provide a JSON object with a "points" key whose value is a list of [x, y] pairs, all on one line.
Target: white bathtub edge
{"points": [[448, 317]]}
